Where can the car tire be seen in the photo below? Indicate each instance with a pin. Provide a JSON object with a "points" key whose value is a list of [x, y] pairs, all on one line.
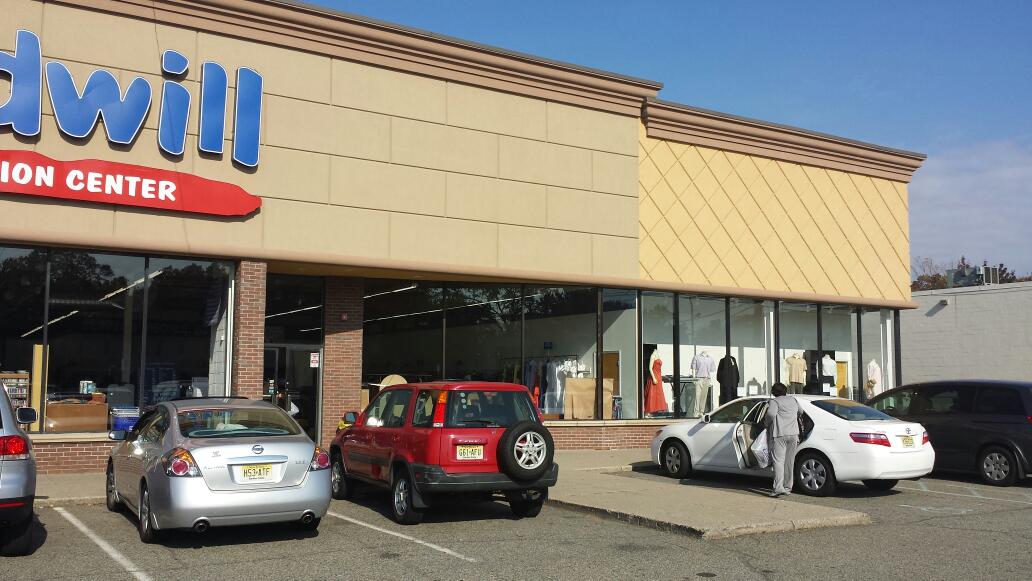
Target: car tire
{"points": [[312, 526], [814, 475], [145, 522], [404, 510], [675, 459], [997, 466], [526, 451], [527, 503], [114, 503], [341, 486], [16, 540], [881, 485]]}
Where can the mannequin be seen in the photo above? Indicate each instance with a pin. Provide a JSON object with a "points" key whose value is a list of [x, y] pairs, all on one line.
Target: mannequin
{"points": [[874, 384], [796, 373], [655, 399], [829, 373], [728, 377], [703, 367]]}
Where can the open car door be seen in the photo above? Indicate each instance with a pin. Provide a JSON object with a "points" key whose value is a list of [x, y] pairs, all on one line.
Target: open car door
{"points": [[746, 433]]}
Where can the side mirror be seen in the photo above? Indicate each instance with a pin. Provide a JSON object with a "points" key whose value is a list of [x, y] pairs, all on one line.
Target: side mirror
{"points": [[116, 435], [351, 417], [25, 415], [706, 418]]}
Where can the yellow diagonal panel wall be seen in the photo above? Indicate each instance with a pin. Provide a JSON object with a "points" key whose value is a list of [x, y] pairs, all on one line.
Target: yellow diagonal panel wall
{"points": [[715, 217]]}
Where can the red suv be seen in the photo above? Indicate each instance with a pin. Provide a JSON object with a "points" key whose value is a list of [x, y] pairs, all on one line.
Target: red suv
{"points": [[427, 440]]}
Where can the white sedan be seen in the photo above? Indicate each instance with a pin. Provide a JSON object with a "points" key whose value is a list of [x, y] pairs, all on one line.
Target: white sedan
{"points": [[842, 441]]}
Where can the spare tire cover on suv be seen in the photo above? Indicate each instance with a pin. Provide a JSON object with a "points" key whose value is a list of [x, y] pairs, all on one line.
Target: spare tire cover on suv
{"points": [[525, 451]]}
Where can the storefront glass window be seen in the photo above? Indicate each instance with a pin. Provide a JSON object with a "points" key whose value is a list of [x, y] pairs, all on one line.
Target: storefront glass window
{"points": [[187, 328], [482, 337], [752, 346], [839, 351], [94, 334], [560, 338], [798, 354], [703, 334], [22, 290], [877, 356], [657, 354], [294, 310], [620, 352], [403, 332]]}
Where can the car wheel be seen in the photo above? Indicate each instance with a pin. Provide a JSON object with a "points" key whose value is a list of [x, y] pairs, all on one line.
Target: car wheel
{"points": [[676, 460], [341, 486], [814, 475], [525, 451], [314, 525], [527, 503], [145, 524], [881, 485], [16, 541], [405, 511], [997, 466], [114, 503]]}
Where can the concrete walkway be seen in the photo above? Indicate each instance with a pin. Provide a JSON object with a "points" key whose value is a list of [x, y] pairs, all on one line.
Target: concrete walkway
{"points": [[590, 481]]}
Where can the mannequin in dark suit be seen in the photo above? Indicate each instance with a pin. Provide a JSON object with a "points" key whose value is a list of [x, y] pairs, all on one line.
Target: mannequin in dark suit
{"points": [[728, 377]]}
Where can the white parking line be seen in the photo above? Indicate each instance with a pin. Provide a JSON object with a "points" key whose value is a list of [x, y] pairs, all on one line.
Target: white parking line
{"points": [[104, 546], [976, 497], [444, 550]]}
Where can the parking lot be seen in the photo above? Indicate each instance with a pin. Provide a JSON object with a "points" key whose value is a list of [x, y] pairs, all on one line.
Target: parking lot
{"points": [[915, 529]]}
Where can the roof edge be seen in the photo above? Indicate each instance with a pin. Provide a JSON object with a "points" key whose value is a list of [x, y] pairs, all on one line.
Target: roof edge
{"points": [[704, 127], [323, 31]]}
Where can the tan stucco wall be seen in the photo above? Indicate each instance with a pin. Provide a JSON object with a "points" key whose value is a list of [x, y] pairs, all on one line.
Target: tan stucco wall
{"points": [[712, 217], [356, 161]]}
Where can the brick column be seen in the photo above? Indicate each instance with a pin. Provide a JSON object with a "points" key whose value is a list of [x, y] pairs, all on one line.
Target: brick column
{"points": [[342, 351], [249, 329]]}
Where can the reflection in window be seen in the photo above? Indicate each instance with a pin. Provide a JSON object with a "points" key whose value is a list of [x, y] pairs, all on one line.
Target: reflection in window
{"points": [[876, 341], [560, 345], [22, 287], [620, 352], [749, 370], [403, 331], [702, 337], [294, 309], [839, 355], [657, 354], [800, 362], [483, 333]]}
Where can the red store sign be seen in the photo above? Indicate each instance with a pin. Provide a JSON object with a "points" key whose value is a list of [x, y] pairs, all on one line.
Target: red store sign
{"points": [[106, 182]]}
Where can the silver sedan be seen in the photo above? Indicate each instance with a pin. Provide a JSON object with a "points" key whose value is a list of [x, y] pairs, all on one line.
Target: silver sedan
{"points": [[199, 463]]}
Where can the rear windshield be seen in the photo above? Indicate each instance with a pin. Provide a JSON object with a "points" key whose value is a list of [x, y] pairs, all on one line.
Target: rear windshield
{"points": [[850, 410], [469, 409], [234, 422]]}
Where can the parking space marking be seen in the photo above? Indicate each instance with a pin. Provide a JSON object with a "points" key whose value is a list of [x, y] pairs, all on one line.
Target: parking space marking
{"points": [[439, 548], [112, 552], [976, 497]]}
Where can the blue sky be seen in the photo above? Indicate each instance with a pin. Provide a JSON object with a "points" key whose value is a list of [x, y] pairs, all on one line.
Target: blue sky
{"points": [[952, 79]]}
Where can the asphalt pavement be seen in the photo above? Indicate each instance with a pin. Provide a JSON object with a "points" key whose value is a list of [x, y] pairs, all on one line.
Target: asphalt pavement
{"points": [[938, 528]]}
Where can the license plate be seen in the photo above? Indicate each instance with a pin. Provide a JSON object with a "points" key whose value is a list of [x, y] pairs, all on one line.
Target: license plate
{"points": [[470, 452], [908, 441], [256, 471]]}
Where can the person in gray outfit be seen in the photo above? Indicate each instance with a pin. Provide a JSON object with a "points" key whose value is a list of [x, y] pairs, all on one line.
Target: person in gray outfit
{"points": [[782, 423]]}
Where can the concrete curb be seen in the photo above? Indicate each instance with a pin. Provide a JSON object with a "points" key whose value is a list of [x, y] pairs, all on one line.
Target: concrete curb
{"points": [[71, 501], [855, 519]]}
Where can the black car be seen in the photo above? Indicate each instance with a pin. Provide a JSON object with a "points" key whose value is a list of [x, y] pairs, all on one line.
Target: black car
{"points": [[978, 426]]}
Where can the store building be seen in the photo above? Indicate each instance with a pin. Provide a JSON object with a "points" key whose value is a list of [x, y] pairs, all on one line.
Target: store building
{"points": [[260, 191]]}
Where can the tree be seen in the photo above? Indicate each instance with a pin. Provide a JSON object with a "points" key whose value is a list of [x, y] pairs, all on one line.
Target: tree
{"points": [[932, 275]]}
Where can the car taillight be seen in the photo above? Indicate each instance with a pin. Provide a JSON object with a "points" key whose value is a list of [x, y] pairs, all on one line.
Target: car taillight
{"points": [[14, 448], [440, 409], [320, 460], [179, 462], [876, 439], [1029, 419], [924, 439]]}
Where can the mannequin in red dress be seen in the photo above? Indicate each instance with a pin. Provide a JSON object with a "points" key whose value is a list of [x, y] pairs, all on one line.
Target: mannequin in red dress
{"points": [[655, 399]]}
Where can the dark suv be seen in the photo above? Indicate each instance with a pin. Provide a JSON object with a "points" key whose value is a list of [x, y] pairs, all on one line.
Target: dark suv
{"points": [[978, 426], [426, 441]]}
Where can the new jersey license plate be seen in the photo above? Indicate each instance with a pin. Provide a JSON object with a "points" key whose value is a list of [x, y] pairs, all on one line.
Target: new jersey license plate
{"points": [[253, 472], [908, 441], [469, 452]]}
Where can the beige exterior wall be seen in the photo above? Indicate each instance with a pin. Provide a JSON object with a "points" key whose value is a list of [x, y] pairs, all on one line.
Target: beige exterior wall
{"points": [[357, 161], [714, 217]]}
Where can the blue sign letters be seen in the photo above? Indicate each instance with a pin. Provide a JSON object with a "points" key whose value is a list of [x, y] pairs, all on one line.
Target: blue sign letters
{"points": [[124, 113]]}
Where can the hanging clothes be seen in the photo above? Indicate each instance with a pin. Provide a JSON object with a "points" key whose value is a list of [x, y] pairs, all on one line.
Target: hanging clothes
{"points": [[728, 377], [655, 399]]}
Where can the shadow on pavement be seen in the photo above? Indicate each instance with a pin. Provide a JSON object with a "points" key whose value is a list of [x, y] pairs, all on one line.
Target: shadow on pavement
{"points": [[445, 510], [222, 536]]}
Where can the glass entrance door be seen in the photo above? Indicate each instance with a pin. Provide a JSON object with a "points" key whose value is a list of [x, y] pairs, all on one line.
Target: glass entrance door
{"points": [[295, 370]]}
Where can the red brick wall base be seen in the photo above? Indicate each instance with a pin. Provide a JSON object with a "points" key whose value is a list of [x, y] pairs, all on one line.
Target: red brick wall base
{"points": [[71, 458], [602, 437]]}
